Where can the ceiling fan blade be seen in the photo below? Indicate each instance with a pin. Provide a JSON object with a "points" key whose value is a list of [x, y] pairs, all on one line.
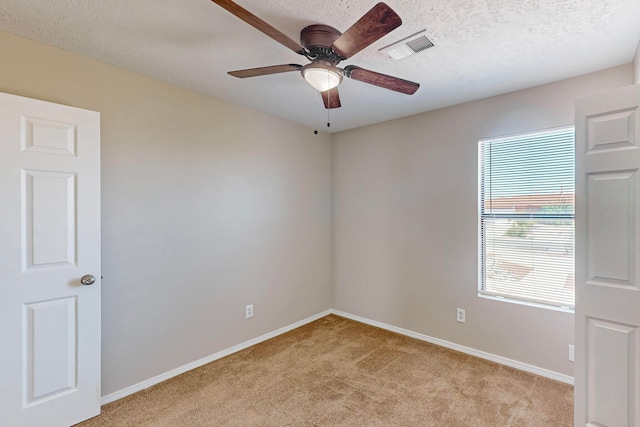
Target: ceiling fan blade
{"points": [[259, 24], [388, 82], [380, 20], [263, 71], [331, 98]]}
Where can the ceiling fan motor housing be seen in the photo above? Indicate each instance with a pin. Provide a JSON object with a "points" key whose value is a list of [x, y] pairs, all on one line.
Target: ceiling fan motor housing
{"points": [[318, 39]]}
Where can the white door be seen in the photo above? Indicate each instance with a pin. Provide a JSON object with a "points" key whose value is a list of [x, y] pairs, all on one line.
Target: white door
{"points": [[607, 365], [49, 240]]}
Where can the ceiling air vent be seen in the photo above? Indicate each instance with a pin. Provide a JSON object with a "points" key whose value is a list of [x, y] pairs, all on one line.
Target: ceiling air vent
{"points": [[408, 46]]}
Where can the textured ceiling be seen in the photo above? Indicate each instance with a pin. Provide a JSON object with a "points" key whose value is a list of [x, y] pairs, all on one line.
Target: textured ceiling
{"points": [[482, 47]]}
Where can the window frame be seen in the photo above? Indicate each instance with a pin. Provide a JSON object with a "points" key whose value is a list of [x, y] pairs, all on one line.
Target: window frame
{"points": [[482, 293]]}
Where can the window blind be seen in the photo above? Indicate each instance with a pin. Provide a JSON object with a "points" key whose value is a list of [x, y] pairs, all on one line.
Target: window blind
{"points": [[527, 216]]}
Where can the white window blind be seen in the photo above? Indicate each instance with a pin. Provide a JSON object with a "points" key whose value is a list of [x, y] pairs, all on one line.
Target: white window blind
{"points": [[527, 217]]}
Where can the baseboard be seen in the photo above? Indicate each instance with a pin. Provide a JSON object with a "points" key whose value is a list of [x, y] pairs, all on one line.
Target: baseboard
{"points": [[473, 352], [219, 355], [467, 350]]}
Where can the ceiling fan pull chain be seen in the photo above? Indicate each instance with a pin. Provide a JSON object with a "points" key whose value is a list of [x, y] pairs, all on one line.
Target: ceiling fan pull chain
{"points": [[315, 118], [329, 100]]}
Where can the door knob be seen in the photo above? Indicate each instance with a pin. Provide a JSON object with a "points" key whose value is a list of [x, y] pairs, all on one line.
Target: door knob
{"points": [[88, 280]]}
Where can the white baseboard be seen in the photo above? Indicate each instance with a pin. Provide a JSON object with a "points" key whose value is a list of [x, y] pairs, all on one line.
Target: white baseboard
{"points": [[471, 351], [189, 366]]}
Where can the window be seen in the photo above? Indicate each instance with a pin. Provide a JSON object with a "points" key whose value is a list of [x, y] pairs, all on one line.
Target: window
{"points": [[527, 217]]}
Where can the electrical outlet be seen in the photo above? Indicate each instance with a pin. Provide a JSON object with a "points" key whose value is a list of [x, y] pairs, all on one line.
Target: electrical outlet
{"points": [[460, 315], [248, 311], [572, 353]]}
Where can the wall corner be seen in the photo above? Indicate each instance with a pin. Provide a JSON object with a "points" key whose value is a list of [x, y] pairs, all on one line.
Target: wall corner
{"points": [[636, 66]]}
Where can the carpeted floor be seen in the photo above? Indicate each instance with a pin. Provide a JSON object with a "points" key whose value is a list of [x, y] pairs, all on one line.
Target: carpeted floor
{"points": [[337, 372]]}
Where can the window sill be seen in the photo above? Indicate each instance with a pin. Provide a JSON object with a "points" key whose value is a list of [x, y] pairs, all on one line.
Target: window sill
{"points": [[528, 303]]}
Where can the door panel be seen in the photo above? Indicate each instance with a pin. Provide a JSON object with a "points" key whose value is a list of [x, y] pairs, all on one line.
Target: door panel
{"points": [[611, 355], [48, 211], [49, 239], [51, 346], [610, 224], [607, 367], [48, 136]]}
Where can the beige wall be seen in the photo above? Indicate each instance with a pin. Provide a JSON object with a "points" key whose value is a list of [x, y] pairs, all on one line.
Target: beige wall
{"points": [[206, 207], [405, 222]]}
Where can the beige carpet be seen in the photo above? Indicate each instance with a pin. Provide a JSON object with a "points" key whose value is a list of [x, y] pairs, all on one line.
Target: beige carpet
{"points": [[337, 372]]}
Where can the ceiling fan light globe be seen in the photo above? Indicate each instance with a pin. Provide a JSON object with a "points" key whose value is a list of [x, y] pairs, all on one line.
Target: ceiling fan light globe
{"points": [[322, 79]]}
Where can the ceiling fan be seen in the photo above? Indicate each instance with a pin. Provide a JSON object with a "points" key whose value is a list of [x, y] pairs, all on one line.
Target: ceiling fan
{"points": [[325, 47]]}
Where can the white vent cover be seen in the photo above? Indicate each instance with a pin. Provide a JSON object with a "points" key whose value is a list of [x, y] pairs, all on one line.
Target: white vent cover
{"points": [[408, 46]]}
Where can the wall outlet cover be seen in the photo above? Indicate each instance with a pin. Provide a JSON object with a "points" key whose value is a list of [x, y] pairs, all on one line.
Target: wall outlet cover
{"points": [[572, 353]]}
